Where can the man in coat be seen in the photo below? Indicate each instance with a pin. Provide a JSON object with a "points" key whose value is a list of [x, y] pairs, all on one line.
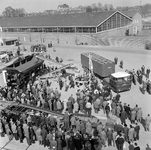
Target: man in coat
{"points": [[110, 137], [44, 135], [147, 73], [20, 133], [123, 117], [137, 129], [136, 147], [147, 121], [126, 131], [120, 142], [131, 146], [66, 120]]}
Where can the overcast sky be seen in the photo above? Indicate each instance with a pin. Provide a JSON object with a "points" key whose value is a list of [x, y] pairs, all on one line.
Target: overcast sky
{"points": [[41, 5]]}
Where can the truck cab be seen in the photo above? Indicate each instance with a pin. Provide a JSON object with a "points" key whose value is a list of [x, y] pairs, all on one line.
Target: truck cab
{"points": [[119, 81]]}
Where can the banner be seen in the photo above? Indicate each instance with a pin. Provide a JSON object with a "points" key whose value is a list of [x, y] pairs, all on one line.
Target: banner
{"points": [[90, 63]]}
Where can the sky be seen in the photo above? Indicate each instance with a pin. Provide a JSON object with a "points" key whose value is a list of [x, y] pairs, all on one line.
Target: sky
{"points": [[41, 5]]}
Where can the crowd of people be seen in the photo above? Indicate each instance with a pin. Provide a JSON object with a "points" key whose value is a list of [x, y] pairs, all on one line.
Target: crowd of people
{"points": [[72, 132]]}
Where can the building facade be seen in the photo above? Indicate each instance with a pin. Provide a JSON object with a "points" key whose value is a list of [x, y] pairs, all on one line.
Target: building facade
{"points": [[101, 23]]}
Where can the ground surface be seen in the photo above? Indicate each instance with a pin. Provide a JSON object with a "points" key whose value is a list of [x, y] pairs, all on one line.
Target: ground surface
{"points": [[133, 59]]}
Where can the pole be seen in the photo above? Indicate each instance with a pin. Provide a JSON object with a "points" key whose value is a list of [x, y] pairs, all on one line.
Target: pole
{"points": [[1, 30]]}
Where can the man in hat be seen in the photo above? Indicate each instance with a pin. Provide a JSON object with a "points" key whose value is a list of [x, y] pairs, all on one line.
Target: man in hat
{"points": [[115, 60], [121, 64]]}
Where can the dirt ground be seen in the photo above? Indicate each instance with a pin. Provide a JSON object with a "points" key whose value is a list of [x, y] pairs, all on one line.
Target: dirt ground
{"points": [[133, 59]]}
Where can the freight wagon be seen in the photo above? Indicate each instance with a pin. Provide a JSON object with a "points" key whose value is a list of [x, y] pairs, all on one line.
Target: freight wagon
{"points": [[102, 67]]}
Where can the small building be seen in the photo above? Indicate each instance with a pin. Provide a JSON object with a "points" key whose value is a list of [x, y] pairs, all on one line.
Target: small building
{"points": [[8, 41], [137, 24]]}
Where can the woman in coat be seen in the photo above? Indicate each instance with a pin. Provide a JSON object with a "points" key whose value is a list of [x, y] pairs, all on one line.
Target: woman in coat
{"points": [[131, 134], [133, 116], [38, 135], [8, 131]]}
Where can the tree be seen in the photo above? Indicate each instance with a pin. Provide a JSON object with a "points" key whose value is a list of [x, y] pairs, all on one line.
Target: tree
{"points": [[110, 7], [63, 6], [8, 12], [106, 7], [88, 9], [94, 7], [100, 6], [119, 8], [126, 8], [20, 12], [80, 7]]}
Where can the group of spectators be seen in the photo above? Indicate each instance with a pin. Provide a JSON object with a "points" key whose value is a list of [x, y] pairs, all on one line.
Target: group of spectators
{"points": [[70, 131], [138, 75]]}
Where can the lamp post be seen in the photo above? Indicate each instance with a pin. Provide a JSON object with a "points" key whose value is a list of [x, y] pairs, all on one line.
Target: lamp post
{"points": [[29, 35]]}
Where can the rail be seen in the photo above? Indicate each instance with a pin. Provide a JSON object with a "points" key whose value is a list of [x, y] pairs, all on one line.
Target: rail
{"points": [[59, 69], [47, 59]]}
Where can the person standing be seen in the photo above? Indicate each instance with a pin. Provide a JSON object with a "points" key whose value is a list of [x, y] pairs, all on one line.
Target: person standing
{"points": [[137, 129], [131, 146], [123, 117], [133, 116], [38, 135], [147, 122], [44, 135], [136, 147], [147, 73], [110, 137], [88, 108], [20, 133], [114, 137], [118, 111], [115, 60], [131, 133], [139, 115], [120, 142], [107, 109], [126, 131], [89, 127], [26, 133], [66, 120], [143, 70], [121, 64]]}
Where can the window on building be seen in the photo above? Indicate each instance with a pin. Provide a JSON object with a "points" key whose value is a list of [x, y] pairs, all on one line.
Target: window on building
{"points": [[118, 21]]}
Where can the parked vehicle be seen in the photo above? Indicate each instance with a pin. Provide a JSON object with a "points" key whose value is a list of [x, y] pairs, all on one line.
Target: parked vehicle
{"points": [[20, 72], [119, 81], [102, 67], [105, 69], [38, 48]]}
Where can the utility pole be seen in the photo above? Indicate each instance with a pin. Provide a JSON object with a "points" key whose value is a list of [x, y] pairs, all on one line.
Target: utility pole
{"points": [[140, 5]]}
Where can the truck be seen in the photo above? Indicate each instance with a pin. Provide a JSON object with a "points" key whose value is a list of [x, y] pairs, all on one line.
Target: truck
{"points": [[102, 67], [105, 70]]}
